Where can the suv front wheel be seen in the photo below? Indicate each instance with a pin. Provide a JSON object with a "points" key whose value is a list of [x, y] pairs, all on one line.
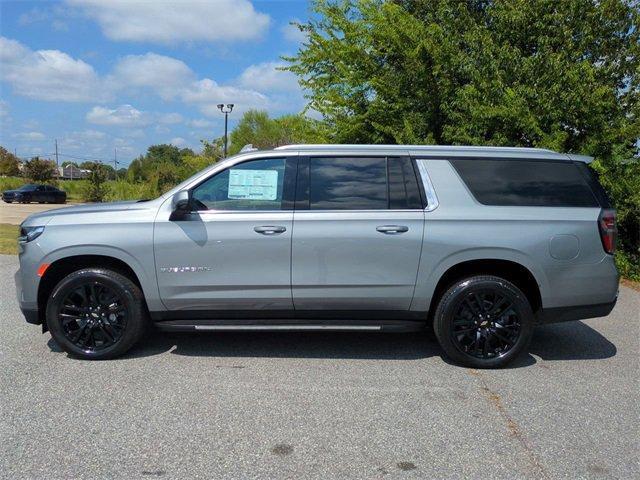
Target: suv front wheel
{"points": [[483, 322], [96, 313]]}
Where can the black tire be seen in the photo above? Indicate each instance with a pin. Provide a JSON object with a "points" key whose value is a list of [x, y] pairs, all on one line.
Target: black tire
{"points": [[483, 322], [102, 340]]}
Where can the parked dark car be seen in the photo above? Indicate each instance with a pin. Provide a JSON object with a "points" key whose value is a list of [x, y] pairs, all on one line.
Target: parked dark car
{"points": [[35, 193]]}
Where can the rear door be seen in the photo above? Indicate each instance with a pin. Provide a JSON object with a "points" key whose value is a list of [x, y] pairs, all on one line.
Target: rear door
{"points": [[357, 233]]}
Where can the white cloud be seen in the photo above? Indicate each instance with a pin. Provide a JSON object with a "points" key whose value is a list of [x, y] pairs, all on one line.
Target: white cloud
{"points": [[4, 109], [178, 20], [266, 77], [164, 75], [170, 118], [178, 141], [49, 75], [32, 136], [121, 116], [200, 123], [292, 33]]}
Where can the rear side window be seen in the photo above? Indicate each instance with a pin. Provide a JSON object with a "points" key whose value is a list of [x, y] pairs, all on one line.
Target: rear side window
{"points": [[362, 183], [525, 183], [348, 183]]}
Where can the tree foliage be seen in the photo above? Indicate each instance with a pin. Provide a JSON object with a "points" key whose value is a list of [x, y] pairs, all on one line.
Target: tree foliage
{"points": [[96, 188], [258, 129], [546, 73], [9, 163], [39, 170]]}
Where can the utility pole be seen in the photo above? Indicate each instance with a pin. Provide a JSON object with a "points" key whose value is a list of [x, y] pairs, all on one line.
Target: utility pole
{"points": [[226, 112], [57, 164], [115, 161]]}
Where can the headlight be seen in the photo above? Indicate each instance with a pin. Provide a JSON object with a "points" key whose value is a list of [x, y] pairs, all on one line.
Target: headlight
{"points": [[28, 234]]}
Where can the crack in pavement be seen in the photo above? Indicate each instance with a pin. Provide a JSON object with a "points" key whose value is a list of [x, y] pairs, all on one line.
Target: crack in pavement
{"points": [[515, 431]]}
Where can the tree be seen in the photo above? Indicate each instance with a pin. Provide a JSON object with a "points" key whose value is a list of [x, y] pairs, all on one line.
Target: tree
{"points": [[38, 170], [256, 128], [9, 163], [561, 75], [546, 73], [95, 189]]}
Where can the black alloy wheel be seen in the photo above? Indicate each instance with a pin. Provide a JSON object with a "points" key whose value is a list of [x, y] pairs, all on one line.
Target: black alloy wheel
{"points": [[483, 322], [95, 313], [93, 316]]}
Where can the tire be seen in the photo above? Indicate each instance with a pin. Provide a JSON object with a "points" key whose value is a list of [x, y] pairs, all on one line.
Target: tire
{"points": [[116, 320], [483, 322]]}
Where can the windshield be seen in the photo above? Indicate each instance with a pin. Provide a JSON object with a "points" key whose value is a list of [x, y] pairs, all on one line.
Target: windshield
{"points": [[28, 188]]}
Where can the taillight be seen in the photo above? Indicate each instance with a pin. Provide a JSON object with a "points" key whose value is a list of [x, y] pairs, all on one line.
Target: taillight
{"points": [[608, 230]]}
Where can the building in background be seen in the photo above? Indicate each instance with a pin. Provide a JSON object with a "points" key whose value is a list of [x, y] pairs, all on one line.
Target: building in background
{"points": [[71, 172]]}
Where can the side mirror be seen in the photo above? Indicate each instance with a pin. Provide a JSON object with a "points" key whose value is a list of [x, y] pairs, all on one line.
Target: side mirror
{"points": [[180, 205]]}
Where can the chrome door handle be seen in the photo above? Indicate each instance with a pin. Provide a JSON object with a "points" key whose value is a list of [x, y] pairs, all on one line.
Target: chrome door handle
{"points": [[269, 229], [392, 229]]}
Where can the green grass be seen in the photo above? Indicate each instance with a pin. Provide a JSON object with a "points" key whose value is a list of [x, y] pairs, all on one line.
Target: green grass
{"points": [[8, 239]]}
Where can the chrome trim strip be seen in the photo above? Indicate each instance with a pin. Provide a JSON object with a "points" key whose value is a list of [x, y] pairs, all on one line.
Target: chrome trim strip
{"points": [[287, 327], [432, 198]]}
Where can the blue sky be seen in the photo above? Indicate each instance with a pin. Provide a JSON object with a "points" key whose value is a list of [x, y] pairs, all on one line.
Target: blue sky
{"points": [[98, 75]]}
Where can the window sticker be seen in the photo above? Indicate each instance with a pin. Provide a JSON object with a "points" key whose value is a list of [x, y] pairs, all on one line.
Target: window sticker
{"points": [[253, 184]]}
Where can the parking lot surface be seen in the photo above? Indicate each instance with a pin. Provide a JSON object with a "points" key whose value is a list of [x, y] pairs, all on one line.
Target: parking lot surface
{"points": [[15, 213], [343, 405]]}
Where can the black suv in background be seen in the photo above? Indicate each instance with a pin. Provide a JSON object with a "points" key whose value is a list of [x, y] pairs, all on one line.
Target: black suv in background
{"points": [[35, 193]]}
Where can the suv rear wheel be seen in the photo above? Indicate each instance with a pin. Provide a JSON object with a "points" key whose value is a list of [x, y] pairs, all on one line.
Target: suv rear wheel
{"points": [[96, 313], [483, 322]]}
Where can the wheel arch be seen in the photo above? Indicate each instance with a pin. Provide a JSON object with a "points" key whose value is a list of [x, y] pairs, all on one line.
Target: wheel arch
{"points": [[63, 266], [510, 270]]}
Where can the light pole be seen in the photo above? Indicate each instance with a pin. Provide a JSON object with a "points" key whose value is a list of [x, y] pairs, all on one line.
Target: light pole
{"points": [[227, 111]]}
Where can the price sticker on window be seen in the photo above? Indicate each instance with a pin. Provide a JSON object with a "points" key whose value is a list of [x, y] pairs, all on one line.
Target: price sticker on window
{"points": [[253, 184]]}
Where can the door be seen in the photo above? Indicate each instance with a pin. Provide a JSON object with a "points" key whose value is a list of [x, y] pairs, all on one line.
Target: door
{"points": [[233, 252], [357, 234]]}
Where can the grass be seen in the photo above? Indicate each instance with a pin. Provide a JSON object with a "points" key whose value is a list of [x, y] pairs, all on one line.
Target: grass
{"points": [[8, 239]]}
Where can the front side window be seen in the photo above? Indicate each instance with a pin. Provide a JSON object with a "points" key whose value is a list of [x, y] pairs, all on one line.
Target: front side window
{"points": [[348, 183], [253, 185]]}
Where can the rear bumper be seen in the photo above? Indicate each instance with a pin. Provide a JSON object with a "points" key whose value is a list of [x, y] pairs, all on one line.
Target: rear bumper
{"points": [[578, 312]]}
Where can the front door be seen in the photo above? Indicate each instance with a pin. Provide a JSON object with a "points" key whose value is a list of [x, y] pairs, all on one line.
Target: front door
{"points": [[234, 251], [357, 236]]}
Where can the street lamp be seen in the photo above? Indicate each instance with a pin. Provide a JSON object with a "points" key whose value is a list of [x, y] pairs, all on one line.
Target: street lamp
{"points": [[227, 111]]}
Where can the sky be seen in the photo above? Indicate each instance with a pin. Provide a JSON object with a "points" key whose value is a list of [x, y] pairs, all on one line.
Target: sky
{"points": [[112, 77]]}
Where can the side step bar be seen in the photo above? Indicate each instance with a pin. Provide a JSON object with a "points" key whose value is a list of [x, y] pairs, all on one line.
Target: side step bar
{"points": [[202, 325], [288, 327]]}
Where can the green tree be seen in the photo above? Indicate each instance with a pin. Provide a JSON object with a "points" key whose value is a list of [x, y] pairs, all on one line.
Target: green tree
{"points": [[256, 128], [95, 189], [9, 163], [38, 170], [544, 73]]}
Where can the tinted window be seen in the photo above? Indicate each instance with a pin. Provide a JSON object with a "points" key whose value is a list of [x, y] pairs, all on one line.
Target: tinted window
{"points": [[404, 192], [254, 185], [28, 188], [525, 183], [348, 183]]}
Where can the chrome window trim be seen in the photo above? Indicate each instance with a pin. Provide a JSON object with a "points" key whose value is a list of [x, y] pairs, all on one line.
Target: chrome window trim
{"points": [[430, 191]]}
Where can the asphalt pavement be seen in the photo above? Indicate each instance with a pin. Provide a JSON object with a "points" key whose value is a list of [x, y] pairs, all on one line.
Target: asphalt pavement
{"points": [[320, 405], [15, 213]]}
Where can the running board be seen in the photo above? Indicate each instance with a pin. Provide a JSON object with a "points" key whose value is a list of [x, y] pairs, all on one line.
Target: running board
{"points": [[287, 327], [290, 326]]}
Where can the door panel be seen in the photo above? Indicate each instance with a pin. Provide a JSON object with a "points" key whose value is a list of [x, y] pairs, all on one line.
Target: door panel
{"points": [[234, 252], [235, 266], [341, 261]]}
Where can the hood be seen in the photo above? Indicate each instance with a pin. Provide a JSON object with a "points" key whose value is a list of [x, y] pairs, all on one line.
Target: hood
{"points": [[45, 217], [11, 192]]}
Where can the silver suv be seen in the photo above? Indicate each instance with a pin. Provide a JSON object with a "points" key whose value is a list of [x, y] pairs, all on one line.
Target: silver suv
{"points": [[478, 243]]}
